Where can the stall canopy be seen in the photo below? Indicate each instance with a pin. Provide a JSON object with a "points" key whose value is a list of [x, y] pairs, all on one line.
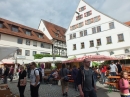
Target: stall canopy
{"points": [[6, 51], [92, 58], [50, 59]]}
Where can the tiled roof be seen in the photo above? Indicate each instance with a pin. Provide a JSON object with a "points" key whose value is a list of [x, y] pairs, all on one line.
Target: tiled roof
{"points": [[54, 30], [6, 29], [127, 23]]}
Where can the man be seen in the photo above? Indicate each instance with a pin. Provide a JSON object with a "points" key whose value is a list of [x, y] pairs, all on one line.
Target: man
{"points": [[74, 75], [11, 73], [53, 75], [85, 80], [113, 69], [63, 73], [5, 75], [119, 67], [34, 80]]}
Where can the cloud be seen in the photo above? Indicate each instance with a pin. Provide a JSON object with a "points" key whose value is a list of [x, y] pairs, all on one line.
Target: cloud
{"points": [[60, 12]]}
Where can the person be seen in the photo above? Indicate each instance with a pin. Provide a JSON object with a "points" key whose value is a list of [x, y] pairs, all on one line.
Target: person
{"points": [[22, 81], [103, 74], [5, 75], [124, 85], [74, 75], [11, 73], [34, 80], [86, 81], [63, 73], [119, 67], [113, 69], [54, 74]]}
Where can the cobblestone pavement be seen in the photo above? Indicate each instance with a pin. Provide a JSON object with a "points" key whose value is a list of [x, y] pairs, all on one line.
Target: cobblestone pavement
{"points": [[47, 90]]}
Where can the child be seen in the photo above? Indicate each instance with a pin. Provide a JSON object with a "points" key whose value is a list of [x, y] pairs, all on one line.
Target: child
{"points": [[124, 85]]}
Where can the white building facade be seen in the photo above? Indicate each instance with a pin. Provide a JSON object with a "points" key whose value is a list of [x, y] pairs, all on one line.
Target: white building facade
{"points": [[92, 32], [29, 41]]}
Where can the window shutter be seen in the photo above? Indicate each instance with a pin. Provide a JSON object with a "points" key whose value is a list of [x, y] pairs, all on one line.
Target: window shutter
{"points": [[92, 20], [84, 7], [79, 9], [90, 12], [99, 18]]}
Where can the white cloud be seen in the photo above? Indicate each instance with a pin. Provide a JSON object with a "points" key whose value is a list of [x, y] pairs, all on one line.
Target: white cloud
{"points": [[30, 12]]}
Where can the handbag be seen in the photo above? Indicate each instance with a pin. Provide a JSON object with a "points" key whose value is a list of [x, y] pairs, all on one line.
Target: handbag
{"points": [[23, 82]]}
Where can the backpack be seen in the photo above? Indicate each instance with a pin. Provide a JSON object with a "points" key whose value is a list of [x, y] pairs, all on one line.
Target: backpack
{"points": [[40, 74]]}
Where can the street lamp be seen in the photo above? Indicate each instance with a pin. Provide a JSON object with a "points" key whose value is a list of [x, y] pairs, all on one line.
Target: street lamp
{"points": [[53, 42], [97, 50]]}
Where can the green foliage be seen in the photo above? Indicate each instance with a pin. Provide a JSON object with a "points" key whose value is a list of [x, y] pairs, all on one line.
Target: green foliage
{"points": [[95, 64], [40, 56]]}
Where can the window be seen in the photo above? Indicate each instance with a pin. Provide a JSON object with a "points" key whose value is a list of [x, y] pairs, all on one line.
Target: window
{"points": [[98, 28], [111, 53], [82, 8], [109, 41], [34, 43], [45, 53], [40, 35], [120, 37], [94, 30], [1, 24], [98, 42], [20, 41], [85, 32], [82, 45], [27, 42], [56, 51], [91, 43], [74, 35], [34, 53], [81, 24], [28, 32], [42, 45], [27, 53], [87, 22], [74, 46], [70, 36], [19, 51], [15, 28], [87, 13], [111, 25], [79, 17], [57, 35], [127, 51], [81, 33], [96, 19]]}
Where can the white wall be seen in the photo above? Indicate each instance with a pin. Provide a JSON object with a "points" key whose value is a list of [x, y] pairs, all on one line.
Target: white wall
{"points": [[43, 28], [105, 32], [7, 40]]}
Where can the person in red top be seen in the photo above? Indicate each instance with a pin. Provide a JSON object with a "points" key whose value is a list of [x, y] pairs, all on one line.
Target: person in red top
{"points": [[103, 73], [11, 73]]}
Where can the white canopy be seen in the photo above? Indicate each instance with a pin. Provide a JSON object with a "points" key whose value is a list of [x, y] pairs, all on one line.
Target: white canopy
{"points": [[6, 51], [50, 59]]}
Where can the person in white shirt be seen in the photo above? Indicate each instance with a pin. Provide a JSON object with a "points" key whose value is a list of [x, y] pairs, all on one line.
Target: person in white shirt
{"points": [[34, 80], [113, 69]]}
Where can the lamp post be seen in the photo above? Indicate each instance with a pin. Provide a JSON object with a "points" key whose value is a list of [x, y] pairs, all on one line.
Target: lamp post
{"points": [[97, 50], [53, 42]]}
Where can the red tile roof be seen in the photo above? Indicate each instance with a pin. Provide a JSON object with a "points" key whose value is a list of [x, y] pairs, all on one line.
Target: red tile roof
{"points": [[127, 23], [54, 29], [6, 29]]}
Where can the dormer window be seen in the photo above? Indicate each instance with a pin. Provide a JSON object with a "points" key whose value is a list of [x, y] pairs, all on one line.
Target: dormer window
{"points": [[58, 31], [15, 28], [28, 32], [40, 36], [1, 24], [57, 35]]}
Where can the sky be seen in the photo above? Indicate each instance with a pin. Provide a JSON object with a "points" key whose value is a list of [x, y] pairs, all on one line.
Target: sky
{"points": [[60, 12]]}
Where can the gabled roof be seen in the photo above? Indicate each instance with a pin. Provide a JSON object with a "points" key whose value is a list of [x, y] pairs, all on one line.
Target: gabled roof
{"points": [[127, 23], [54, 29], [6, 29]]}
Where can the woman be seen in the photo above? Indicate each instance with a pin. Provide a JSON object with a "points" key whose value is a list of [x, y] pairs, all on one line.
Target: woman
{"points": [[22, 81]]}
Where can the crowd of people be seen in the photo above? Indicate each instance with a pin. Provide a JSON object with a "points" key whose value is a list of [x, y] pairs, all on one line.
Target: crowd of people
{"points": [[85, 77]]}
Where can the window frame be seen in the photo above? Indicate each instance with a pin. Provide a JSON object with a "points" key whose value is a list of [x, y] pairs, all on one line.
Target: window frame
{"points": [[42, 45], [14, 28], [81, 33], [98, 29], [1, 24], [111, 25], [74, 46], [26, 52], [28, 41], [28, 32], [35, 43], [91, 42], [120, 35], [85, 33], [19, 51], [82, 45], [99, 42], [33, 53], [74, 35], [109, 40], [19, 40], [94, 30]]}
